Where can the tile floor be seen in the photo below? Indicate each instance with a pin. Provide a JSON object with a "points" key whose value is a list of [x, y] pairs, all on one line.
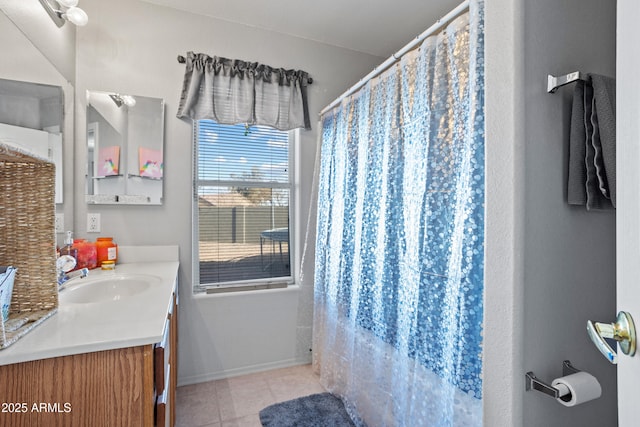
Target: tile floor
{"points": [[235, 402]]}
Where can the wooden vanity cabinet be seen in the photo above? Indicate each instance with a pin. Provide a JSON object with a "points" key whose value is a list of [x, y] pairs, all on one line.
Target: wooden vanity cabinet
{"points": [[104, 388]]}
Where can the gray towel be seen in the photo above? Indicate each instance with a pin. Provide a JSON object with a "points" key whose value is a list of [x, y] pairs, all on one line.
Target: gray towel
{"points": [[604, 95], [591, 180], [597, 198], [576, 194]]}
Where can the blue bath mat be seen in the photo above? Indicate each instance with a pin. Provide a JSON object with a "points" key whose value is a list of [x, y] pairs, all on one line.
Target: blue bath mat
{"points": [[316, 410]]}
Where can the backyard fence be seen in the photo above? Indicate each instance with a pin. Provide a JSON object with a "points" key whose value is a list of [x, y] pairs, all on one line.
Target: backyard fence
{"points": [[240, 224]]}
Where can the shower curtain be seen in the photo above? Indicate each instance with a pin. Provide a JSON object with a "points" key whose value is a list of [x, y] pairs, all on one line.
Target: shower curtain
{"points": [[398, 304]]}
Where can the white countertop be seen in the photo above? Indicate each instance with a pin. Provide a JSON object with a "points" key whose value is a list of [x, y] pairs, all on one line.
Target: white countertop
{"points": [[87, 327]]}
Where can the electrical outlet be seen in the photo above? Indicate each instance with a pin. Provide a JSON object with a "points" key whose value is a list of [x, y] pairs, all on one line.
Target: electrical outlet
{"points": [[59, 223], [93, 223]]}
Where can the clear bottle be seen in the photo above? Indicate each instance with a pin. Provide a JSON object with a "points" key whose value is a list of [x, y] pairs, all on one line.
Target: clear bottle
{"points": [[68, 248]]}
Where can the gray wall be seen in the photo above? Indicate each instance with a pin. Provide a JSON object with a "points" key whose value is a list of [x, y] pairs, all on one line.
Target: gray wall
{"points": [[550, 267], [135, 53], [569, 254]]}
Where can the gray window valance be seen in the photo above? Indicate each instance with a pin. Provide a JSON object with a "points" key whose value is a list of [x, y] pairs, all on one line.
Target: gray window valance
{"points": [[232, 91]]}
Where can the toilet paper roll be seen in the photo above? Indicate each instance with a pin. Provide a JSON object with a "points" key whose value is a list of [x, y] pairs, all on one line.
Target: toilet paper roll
{"points": [[582, 387]]}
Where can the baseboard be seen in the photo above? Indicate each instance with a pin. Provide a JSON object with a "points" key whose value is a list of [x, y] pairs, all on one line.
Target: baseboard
{"points": [[228, 373]]}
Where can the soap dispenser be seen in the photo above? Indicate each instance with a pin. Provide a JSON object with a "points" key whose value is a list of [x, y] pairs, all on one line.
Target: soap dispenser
{"points": [[68, 248]]}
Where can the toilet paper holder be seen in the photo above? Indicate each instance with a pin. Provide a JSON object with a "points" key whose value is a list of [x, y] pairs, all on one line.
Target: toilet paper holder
{"points": [[532, 382]]}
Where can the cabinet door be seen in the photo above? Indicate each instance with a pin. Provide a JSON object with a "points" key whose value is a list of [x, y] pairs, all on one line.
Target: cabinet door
{"points": [[99, 389], [162, 353], [164, 404], [165, 369], [174, 357]]}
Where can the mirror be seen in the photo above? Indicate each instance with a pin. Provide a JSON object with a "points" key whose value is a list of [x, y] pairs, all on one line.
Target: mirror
{"points": [[41, 54], [31, 118], [125, 136]]}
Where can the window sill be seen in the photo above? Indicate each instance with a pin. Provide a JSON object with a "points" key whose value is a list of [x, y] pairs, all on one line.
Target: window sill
{"points": [[245, 290]]}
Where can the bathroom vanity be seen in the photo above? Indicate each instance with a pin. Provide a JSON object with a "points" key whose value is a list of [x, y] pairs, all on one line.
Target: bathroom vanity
{"points": [[108, 357]]}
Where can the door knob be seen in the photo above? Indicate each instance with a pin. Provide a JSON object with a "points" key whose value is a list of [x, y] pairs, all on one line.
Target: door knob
{"points": [[623, 331]]}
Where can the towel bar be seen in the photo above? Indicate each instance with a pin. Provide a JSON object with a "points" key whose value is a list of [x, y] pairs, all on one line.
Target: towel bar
{"points": [[553, 83]]}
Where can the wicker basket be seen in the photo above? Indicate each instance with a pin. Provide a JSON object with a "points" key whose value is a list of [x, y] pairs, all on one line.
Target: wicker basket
{"points": [[27, 239]]}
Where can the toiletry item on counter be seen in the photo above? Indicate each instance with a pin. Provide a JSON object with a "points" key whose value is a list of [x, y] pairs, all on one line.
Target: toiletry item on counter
{"points": [[68, 248], [108, 265], [87, 254], [107, 250], [7, 276]]}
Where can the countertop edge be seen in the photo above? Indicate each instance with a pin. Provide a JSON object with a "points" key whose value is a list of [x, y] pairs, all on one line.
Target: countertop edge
{"points": [[59, 335]]}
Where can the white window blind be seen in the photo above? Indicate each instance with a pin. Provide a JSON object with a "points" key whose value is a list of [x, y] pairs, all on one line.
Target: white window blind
{"points": [[243, 191]]}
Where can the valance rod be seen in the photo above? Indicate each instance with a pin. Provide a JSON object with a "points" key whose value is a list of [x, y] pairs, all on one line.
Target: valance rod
{"points": [[182, 60], [393, 58]]}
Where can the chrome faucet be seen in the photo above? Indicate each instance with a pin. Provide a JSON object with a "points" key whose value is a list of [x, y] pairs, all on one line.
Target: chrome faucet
{"points": [[65, 277], [64, 264]]}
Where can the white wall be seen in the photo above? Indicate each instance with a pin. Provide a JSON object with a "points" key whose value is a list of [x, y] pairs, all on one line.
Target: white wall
{"points": [[503, 370], [57, 45], [135, 53], [550, 267]]}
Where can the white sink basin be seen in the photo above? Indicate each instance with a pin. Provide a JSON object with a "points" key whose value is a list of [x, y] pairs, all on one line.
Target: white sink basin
{"points": [[107, 289]]}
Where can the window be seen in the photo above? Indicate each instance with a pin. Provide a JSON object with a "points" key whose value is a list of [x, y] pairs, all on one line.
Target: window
{"points": [[242, 206]]}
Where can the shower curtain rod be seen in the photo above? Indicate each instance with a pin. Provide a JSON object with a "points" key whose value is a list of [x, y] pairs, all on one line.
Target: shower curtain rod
{"points": [[393, 58]]}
